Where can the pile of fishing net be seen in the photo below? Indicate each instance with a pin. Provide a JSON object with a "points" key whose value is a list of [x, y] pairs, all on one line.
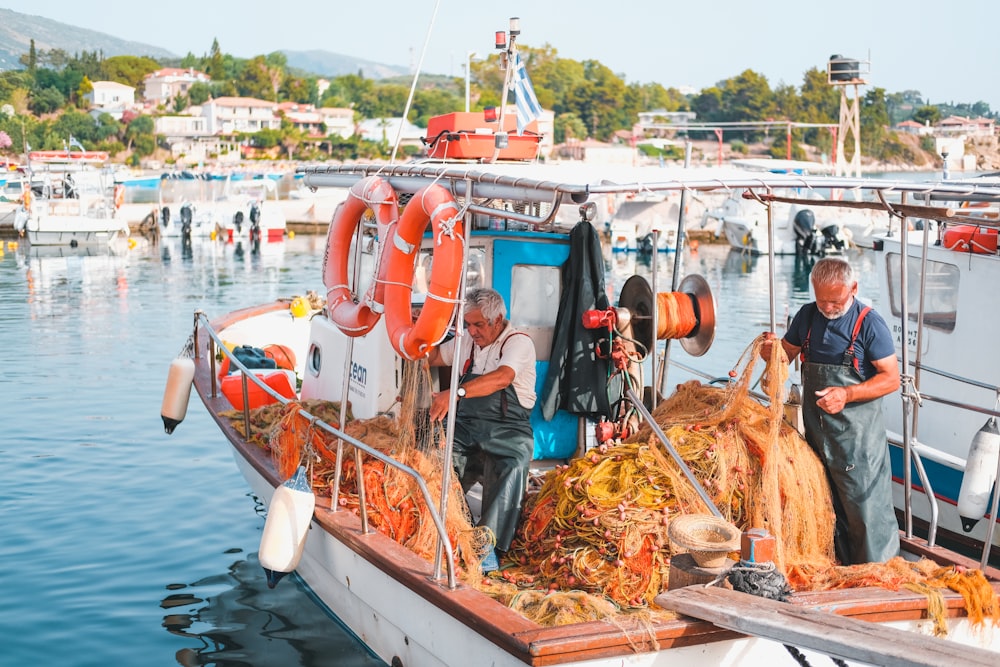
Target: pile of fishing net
{"points": [[599, 523], [394, 501], [593, 541]]}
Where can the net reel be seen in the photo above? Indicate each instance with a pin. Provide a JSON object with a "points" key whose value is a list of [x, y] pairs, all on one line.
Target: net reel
{"points": [[687, 315]]}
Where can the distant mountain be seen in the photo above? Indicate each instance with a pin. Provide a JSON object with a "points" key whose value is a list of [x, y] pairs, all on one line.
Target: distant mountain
{"points": [[329, 64], [17, 30]]}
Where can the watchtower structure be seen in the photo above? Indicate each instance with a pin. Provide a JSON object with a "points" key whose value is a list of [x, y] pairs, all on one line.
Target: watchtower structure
{"points": [[848, 74]]}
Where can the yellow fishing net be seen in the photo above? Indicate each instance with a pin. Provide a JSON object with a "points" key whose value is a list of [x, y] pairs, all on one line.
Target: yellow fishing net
{"points": [[593, 539]]}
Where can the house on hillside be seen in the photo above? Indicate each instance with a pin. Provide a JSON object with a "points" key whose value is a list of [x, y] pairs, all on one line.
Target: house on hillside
{"points": [[969, 127], [913, 127], [229, 115], [320, 122], [386, 129], [163, 85], [110, 97]]}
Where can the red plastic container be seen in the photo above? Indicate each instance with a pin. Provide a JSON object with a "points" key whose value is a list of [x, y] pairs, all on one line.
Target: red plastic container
{"points": [[971, 238], [281, 381], [469, 136]]}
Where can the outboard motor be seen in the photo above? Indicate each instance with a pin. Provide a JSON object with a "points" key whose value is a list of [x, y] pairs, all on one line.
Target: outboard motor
{"points": [[187, 216], [832, 239], [255, 220], [804, 225], [165, 215], [238, 222]]}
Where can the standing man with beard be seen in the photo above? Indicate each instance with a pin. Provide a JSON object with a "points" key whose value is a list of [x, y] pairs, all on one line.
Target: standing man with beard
{"points": [[848, 364]]}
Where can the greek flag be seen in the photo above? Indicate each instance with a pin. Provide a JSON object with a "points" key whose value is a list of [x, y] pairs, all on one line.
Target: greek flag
{"points": [[528, 108]]}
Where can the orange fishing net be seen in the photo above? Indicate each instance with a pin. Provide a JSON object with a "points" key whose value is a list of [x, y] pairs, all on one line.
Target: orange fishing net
{"points": [[593, 538]]}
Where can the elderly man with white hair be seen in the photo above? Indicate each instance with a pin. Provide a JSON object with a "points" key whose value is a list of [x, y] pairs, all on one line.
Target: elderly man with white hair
{"points": [[848, 364], [496, 393]]}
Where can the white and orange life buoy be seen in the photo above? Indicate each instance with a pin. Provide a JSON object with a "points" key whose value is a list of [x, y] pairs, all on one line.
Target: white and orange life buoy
{"points": [[353, 317], [119, 195], [433, 204]]}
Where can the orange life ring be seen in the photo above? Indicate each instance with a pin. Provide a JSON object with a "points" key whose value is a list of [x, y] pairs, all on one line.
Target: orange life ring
{"points": [[352, 317], [433, 204], [119, 195]]}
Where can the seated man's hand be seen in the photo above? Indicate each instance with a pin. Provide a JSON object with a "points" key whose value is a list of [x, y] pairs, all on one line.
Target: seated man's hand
{"points": [[439, 406]]}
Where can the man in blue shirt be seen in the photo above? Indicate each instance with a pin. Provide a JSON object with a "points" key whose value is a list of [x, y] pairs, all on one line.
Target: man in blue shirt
{"points": [[848, 364]]}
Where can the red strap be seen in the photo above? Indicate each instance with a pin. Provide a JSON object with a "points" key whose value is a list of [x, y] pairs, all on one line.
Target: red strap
{"points": [[854, 335]]}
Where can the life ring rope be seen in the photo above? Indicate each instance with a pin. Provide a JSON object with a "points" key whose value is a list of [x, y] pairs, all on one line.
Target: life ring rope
{"points": [[353, 316], [433, 205]]}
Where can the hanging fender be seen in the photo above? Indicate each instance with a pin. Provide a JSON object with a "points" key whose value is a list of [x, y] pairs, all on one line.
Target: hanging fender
{"points": [[433, 204], [119, 195], [353, 317]]}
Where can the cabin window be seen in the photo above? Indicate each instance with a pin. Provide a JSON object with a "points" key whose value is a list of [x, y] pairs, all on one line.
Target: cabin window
{"points": [[534, 295], [475, 270], [940, 291]]}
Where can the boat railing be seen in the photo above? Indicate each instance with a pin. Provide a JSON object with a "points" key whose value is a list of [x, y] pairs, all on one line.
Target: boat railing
{"points": [[216, 346]]}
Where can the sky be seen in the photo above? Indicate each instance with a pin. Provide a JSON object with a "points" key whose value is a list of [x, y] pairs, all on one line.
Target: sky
{"points": [[949, 53]]}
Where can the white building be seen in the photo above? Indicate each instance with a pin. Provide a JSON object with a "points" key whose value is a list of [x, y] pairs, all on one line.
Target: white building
{"points": [[110, 97], [228, 115], [162, 86]]}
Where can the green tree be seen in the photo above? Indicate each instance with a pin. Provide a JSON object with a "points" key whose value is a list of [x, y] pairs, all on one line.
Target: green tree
{"points": [[215, 68], [130, 70], [140, 133], [569, 126], [927, 115], [46, 100], [199, 93]]}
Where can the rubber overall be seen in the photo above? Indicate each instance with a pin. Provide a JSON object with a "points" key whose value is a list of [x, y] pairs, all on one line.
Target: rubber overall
{"points": [[853, 448], [497, 430]]}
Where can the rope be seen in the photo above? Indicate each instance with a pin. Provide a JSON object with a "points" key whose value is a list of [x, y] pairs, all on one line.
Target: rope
{"points": [[675, 315], [765, 581]]}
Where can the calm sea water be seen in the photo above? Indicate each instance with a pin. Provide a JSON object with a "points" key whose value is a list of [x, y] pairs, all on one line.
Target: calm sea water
{"points": [[124, 546]]}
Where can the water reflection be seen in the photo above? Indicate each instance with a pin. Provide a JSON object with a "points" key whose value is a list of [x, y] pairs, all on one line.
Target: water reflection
{"points": [[234, 620]]}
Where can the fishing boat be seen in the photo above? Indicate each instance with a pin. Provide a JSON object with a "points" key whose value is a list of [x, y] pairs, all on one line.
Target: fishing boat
{"points": [[315, 397], [71, 199]]}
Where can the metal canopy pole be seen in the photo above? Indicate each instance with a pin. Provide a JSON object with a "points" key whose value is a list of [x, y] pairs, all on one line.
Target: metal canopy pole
{"points": [[676, 276]]}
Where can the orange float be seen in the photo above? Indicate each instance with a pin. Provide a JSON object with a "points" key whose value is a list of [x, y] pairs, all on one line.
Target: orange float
{"points": [[119, 195], [282, 355], [353, 317], [435, 205]]}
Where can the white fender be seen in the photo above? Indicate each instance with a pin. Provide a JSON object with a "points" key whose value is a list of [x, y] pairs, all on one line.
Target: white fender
{"points": [[177, 392], [288, 517], [980, 473]]}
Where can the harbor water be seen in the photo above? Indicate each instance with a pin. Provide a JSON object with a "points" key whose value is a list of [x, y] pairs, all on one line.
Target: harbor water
{"points": [[125, 546]]}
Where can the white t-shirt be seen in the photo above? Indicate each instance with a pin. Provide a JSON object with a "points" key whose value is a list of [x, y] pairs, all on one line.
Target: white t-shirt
{"points": [[518, 355]]}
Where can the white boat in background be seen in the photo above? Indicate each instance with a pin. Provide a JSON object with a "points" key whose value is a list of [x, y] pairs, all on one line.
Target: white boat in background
{"points": [[249, 209], [798, 228], [70, 198], [634, 220]]}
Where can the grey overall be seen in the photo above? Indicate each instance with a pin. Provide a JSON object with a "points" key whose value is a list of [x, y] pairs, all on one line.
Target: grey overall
{"points": [[496, 429], [852, 446]]}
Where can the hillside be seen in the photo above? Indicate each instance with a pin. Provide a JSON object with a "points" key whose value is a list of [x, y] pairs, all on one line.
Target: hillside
{"points": [[17, 30], [325, 63]]}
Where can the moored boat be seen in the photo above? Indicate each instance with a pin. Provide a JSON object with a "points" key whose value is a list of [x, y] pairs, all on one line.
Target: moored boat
{"points": [[70, 198], [629, 505]]}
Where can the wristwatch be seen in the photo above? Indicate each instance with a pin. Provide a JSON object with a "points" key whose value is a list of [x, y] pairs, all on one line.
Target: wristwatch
{"points": [[460, 392]]}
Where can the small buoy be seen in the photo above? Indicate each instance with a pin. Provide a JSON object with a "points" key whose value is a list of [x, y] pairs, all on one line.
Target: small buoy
{"points": [[694, 245], [288, 517], [177, 392], [291, 235], [299, 307], [980, 473], [214, 235], [131, 243]]}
